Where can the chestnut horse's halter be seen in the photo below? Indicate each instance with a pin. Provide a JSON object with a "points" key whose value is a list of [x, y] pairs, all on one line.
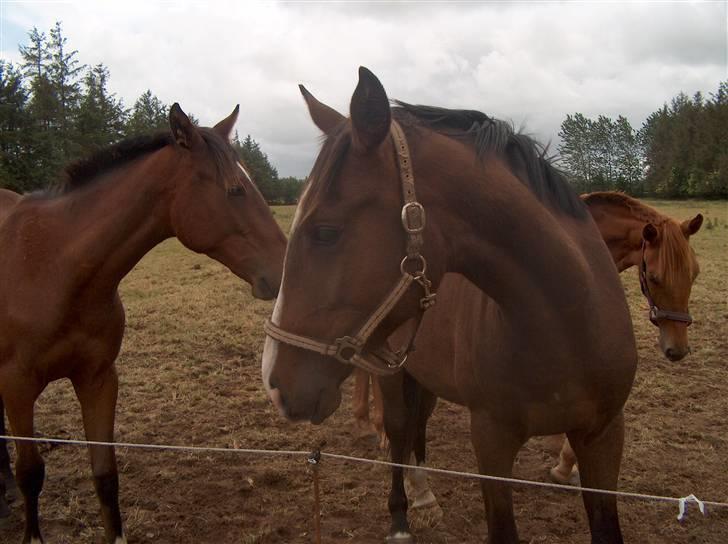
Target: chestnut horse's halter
{"points": [[349, 349], [655, 312]]}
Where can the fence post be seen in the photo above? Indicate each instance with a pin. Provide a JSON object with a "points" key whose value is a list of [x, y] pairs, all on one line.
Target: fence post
{"points": [[314, 459]]}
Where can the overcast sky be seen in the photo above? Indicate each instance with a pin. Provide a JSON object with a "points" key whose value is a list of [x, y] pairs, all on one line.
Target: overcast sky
{"points": [[531, 63]]}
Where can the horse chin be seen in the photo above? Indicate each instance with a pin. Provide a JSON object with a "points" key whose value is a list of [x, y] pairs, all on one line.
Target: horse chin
{"points": [[328, 402]]}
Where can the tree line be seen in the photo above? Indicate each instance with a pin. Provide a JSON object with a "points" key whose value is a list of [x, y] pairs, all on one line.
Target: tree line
{"points": [[53, 110], [680, 151]]}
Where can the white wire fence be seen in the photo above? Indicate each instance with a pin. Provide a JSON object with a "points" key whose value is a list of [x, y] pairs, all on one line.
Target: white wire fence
{"points": [[315, 456]]}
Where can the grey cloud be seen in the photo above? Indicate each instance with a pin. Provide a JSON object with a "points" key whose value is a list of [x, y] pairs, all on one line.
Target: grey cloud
{"points": [[525, 62]]}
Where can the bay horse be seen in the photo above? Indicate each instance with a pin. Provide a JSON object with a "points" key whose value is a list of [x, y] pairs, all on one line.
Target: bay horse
{"points": [[635, 233], [548, 349], [65, 251]]}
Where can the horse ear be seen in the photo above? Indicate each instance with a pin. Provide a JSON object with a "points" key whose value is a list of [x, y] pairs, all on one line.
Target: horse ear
{"points": [[691, 226], [183, 131], [225, 127], [649, 233], [323, 116], [370, 112]]}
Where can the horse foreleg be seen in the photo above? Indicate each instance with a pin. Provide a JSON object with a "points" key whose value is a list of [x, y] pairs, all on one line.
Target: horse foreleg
{"points": [[397, 418], [29, 465], [599, 461], [565, 472], [425, 511], [361, 400], [496, 446], [378, 414], [8, 487], [98, 406]]}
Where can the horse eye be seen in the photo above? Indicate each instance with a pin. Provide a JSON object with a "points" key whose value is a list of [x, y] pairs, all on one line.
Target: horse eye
{"points": [[654, 279], [326, 235], [236, 190]]}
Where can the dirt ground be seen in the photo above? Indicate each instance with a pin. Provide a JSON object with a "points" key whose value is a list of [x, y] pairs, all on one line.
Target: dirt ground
{"points": [[190, 375]]}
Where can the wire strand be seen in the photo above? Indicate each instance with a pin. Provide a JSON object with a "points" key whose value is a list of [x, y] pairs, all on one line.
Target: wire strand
{"points": [[341, 457]]}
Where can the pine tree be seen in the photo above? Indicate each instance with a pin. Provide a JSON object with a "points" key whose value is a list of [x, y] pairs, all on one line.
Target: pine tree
{"points": [[42, 153], [260, 168], [64, 71], [15, 124], [149, 114], [101, 117]]}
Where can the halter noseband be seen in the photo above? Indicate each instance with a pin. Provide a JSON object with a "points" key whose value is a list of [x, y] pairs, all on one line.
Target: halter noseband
{"points": [[349, 349], [655, 312]]}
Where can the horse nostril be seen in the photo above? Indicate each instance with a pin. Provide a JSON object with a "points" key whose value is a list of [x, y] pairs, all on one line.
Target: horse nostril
{"points": [[272, 384]]}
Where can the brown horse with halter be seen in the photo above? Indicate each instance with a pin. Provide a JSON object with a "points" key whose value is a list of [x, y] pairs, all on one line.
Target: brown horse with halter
{"points": [[550, 348], [65, 251], [636, 235]]}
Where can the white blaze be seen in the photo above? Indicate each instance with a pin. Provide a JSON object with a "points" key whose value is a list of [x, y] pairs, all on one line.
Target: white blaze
{"points": [[240, 165], [270, 350]]}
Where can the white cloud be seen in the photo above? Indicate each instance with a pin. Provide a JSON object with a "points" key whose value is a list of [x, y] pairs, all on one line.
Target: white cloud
{"points": [[529, 63]]}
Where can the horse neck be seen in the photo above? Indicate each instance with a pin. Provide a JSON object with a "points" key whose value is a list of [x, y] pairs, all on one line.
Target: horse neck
{"points": [[503, 240], [622, 232], [114, 222]]}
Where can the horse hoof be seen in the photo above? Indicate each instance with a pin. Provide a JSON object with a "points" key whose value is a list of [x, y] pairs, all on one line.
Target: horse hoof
{"points": [[572, 479], [424, 500], [400, 537], [425, 516]]}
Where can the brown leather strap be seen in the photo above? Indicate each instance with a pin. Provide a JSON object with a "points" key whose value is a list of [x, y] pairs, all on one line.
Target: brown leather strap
{"points": [[655, 312], [413, 214]]}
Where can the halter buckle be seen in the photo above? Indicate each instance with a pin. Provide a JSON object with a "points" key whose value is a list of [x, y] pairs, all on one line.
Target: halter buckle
{"points": [[653, 315], [413, 218], [346, 348]]}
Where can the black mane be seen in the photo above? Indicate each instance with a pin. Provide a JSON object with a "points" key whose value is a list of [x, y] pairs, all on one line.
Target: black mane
{"points": [[83, 171], [525, 156]]}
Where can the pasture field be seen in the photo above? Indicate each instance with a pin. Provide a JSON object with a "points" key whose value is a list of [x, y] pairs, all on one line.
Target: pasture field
{"points": [[190, 375]]}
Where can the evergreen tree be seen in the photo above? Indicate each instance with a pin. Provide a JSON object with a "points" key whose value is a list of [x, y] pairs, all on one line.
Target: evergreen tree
{"points": [[101, 117], [15, 125], [289, 190], [43, 156], [149, 114], [264, 174], [64, 71]]}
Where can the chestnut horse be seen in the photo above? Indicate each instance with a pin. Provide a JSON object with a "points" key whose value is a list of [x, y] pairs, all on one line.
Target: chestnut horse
{"points": [[550, 348], [65, 252]]}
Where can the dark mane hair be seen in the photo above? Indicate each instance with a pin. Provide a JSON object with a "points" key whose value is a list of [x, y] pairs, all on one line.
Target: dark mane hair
{"points": [[526, 157], [85, 171]]}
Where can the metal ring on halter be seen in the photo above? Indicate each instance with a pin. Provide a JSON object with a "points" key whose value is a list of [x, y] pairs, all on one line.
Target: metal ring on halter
{"points": [[416, 273]]}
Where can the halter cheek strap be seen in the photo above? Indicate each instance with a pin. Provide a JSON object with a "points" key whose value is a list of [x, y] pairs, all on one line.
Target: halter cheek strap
{"points": [[655, 312], [413, 267]]}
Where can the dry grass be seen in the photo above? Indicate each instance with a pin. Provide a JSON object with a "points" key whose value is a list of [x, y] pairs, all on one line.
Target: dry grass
{"points": [[190, 374]]}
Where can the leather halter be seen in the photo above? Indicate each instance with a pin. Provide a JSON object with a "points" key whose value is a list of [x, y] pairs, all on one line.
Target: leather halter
{"points": [[655, 312], [349, 349]]}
